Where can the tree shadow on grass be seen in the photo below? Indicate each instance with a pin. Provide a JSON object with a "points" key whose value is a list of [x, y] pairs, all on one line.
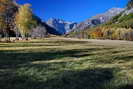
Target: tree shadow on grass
{"points": [[124, 58], [9, 59], [67, 42], [86, 79], [28, 45], [127, 86], [45, 43], [83, 79]]}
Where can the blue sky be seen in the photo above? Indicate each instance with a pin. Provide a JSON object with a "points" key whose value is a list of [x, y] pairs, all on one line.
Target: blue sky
{"points": [[71, 10]]}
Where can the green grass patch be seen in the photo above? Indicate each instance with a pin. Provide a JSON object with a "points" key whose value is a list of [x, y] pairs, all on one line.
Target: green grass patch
{"points": [[65, 64]]}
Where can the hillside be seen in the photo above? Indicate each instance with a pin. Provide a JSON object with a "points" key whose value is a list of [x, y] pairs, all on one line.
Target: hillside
{"points": [[98, 19], [48, 29], [118, 28]]}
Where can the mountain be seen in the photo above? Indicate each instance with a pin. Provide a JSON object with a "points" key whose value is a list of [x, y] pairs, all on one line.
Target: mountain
{"points": [[119, 27], [61, 26], [64, 27], [43, 29], [99, 19], [127, 11]]}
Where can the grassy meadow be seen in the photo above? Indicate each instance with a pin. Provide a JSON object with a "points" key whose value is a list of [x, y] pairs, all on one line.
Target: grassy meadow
{"points": [[60, 63]]}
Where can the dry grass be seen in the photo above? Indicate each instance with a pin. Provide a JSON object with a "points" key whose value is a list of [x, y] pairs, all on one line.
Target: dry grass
{"points": [[61, 63]]}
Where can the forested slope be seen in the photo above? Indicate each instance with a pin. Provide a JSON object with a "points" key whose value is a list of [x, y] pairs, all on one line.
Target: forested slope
{"points": [[120, 27]]}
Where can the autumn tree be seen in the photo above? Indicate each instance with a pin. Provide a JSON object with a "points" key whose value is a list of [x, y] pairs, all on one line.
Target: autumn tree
{"points": [[24, 20], [3, 14], [7, 9]]}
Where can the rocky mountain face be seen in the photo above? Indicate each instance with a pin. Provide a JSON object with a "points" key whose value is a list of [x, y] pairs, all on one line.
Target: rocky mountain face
{"points": [[42, 29], [127, 11], [64, 27], [99, 19], [61, 26]]}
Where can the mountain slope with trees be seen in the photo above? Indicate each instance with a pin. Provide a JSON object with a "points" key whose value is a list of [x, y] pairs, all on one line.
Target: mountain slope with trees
{"points": [[99, 19], [120, 27]]}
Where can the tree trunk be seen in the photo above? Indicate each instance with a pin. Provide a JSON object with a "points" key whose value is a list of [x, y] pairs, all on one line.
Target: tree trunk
{"points": [[6, 36], [0, 37], [17, 35], [23, 37]]}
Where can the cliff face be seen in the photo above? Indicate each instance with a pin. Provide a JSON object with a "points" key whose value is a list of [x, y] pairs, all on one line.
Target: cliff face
{"points": [[61, 26]]}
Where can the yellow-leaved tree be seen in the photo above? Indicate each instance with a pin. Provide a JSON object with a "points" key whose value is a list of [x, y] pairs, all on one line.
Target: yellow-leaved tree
{"points": [[25, 21]]}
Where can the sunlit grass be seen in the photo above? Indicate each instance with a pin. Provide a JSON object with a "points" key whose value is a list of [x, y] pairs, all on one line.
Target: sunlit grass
{"points": [[56, 63]]}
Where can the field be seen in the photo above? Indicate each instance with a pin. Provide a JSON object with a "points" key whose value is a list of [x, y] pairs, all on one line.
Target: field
{"points": [[60, 63]]}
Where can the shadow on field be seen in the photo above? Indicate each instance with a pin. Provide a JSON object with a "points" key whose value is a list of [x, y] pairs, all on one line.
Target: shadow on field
{"points": [[45, 43], [124, 58], [67, 42], [85, 79], [11, 59], [128, 86], [28, 45]]}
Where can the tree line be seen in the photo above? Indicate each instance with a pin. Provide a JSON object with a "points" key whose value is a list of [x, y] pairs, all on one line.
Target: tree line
{"points": [[18, 20]]}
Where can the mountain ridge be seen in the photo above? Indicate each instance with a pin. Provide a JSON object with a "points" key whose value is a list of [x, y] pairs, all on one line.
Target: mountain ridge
{"points": [[120, 27], [99, 18], [61, 25], [65, 27]]}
